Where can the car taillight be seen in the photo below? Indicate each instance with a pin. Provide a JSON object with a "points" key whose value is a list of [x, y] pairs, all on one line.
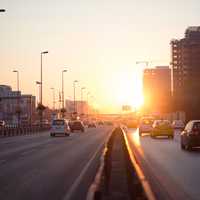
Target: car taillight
{"points": [[193, 132]]}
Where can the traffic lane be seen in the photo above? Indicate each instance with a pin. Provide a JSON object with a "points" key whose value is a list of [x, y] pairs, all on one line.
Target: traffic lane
{"points": [[16, 145], [174, 170], [47, 142], [50, 172]]}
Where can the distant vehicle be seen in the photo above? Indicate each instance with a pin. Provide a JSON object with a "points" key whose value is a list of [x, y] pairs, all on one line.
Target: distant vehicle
{"points": [[162, 128], [109, 123], [178, 124], [92, 125], [145, 125], [77, 126], [132, 123], [59, 127], [190, 136], [100, 123], [2, 123]]}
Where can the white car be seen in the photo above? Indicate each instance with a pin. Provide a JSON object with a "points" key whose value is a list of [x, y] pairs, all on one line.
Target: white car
{"points": [[145, 125], [60, 127], [178, 124]]}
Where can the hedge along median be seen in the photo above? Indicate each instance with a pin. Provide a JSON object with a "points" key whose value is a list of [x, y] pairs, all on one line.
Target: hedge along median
{"points": [[119, 176]]}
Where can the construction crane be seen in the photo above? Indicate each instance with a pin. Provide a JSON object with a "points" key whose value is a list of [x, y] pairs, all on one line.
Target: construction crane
{"points": [[150, 61]]}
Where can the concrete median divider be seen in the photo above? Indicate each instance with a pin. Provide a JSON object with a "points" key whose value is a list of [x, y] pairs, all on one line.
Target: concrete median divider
{"points": [[119, 176]]}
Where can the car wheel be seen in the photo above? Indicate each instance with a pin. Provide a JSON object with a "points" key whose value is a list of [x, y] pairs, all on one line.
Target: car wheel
{"points": [[182, 146], [171, 137], [189, 147]]}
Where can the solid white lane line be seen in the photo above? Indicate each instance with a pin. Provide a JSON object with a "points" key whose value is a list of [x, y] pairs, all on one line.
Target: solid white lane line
{"points": [[77, 182]]}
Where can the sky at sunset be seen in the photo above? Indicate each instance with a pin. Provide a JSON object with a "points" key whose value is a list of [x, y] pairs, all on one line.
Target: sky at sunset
{"points": [[97, 41]]}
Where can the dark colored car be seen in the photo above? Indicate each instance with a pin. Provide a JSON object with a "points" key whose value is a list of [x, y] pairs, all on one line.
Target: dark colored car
{"points": [[190, 137], [76, 126], [92, 125], [100, 123]]}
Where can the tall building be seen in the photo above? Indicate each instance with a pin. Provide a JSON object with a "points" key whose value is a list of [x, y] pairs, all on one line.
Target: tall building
{"points": [[9, 101], [157, 89], [81, 106], [186, 73]]}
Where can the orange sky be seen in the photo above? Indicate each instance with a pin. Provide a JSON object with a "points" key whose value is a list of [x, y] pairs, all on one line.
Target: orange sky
{"points": [[99, 43]]}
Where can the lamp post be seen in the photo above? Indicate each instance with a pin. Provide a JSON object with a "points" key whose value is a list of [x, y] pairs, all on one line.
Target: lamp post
{"points": [[38, 83], [41, 85], [82, 89], [63, 95], [53, 94], [74, 85], [18, 97], [88, 104]]}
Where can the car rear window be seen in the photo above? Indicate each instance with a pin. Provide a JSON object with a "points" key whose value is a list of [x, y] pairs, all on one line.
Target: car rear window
{"points": [[58, 122], [147, 121], [196, 126]]}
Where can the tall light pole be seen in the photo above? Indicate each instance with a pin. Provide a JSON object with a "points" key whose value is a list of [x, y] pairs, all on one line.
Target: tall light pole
{"points": [[41, 84], [74, 85], [53, 92], [82, 89], [16, 71], [88, 104], [18, 97], [63, 95], [38, 83]]}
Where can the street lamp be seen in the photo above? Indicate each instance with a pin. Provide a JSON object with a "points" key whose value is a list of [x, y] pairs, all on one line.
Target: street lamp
{"points": [[53, 91], [74, 85], [18, 96], [63, 96], [83, 88], [41, 79]]}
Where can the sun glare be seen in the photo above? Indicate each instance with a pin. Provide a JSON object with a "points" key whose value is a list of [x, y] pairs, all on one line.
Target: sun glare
{"points": [[126, 88]]}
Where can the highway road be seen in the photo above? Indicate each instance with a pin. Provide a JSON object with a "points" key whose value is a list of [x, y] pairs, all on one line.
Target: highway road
{"points": [[41, 167], [172, 172]]}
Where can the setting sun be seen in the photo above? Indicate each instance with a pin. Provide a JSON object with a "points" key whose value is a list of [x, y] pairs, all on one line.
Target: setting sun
{"points": [[124, 87]]}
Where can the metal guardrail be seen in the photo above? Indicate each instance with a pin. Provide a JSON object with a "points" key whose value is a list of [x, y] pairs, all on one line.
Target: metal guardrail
{"points": [[22, 130]]}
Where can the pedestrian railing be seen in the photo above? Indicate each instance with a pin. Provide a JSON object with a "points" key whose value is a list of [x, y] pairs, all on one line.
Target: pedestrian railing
{"points": [[23, 130]]}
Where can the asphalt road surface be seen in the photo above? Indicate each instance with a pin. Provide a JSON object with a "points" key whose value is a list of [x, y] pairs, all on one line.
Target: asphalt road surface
{"points": [[172, 172], [41, 167]]}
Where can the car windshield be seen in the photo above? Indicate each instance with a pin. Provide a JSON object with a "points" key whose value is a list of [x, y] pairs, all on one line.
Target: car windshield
{"points": [[147, 121], [58, 122]]}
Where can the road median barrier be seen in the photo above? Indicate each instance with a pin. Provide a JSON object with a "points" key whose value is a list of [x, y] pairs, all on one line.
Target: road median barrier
{"points": [[119, 176]]}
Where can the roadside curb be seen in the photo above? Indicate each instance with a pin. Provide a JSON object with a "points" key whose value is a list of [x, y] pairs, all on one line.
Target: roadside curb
{"points": [[93, 192]]}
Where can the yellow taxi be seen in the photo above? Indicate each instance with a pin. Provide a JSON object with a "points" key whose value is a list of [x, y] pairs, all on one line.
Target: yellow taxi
{"points": [[162, 128]]}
